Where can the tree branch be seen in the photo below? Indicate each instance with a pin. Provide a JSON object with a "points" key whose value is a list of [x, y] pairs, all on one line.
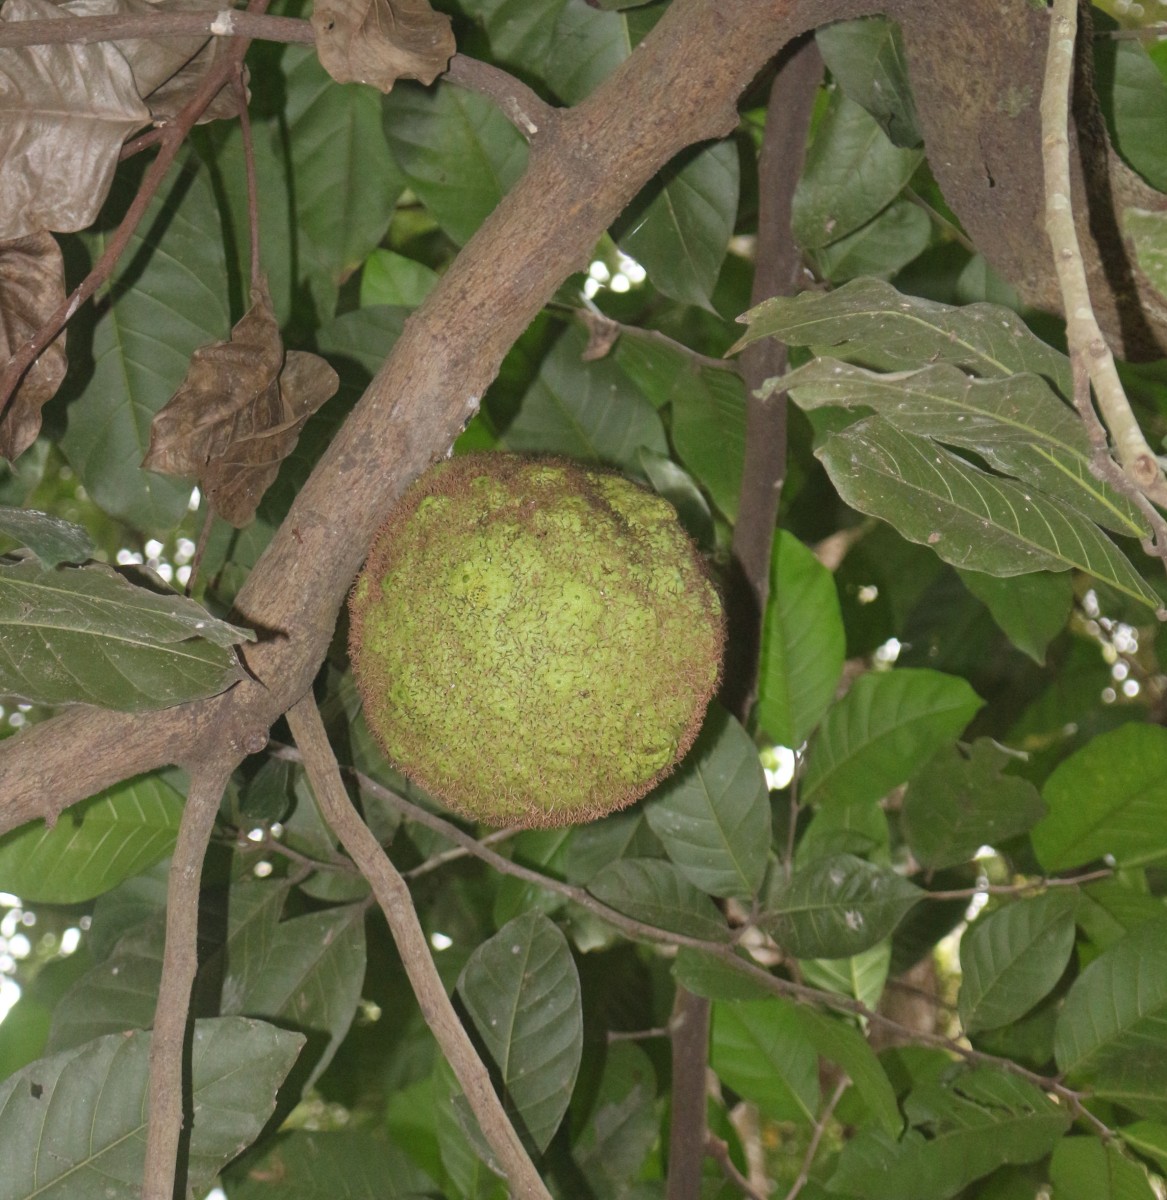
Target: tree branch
{"points": [[1082, 331], [179, 966], [217, 22], [680, 87], [525, 110], [397, 905], [776, 273], [816, 1138]]}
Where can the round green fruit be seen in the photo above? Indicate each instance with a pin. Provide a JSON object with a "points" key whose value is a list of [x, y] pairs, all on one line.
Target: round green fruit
{"points": [[535, 641]]}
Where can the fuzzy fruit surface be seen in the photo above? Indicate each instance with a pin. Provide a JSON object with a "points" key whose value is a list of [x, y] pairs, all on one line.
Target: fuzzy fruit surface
{"points": [[535, 641]]}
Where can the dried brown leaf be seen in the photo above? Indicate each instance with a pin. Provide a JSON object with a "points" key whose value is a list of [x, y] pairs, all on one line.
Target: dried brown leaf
{"points": [[380, 41], [151, 60], [239, 413], [64, 113], [171, 97], [32, 285]]}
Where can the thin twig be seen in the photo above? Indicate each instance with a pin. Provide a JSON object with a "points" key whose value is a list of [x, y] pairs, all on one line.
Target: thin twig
{"points": [[526, 111], [395, 901], [446, 856], [636, 1035], [211, 22], [718, 1150], [1017, 889], [816, 1138], [1103, 467], [1082, 330], [249, 173], [592, 317], [179, 965]]}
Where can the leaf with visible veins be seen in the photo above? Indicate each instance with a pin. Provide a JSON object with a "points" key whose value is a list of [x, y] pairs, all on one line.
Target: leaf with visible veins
{"points": [[239, 413]]}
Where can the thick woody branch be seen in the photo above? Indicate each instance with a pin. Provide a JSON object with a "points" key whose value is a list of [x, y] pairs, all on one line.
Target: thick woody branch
{"points": [[680, 87], [393, 896]]}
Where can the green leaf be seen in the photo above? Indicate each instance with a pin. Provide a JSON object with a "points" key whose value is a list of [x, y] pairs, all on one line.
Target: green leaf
{"points": [[619, 835], [803, 644], [1140, 110], [974, 1121], [836, 907], [345, 182], [963, 800], [884, 245], [391, 278], [868, 322], [860, 829], [88, 635], [676, 485], [94, 845], [588, 45], [1012, 958], [589, 411], [52, 540], [852, 172], [459, 153], [465, 1156], [167, 299], [1108, 798], [521, 32], [713, 815], [679, 227], [760, 1049], [655, 892], [310, 977], [619, 1130], [887, 726], [968, 517], [1017, 425], [73, 1126], [341, 1164], [846, 1047], [1110, 1035], [862, 976], [1083, 1168], [1147, 232], [118, 994], [704, 974], [220, 143], [1148, 1138], [709, 431], [866, 57], [1030, 609], [1111, 908], [522, 992]]}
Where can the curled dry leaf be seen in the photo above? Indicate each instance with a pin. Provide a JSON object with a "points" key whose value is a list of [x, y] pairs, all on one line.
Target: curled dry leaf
{"points": [[32, 285], [64, 113], [239, 413], [380, 41]]}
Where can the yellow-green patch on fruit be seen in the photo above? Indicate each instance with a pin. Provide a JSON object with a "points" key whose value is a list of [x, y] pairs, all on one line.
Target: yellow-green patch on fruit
{"points": [[535, 641]]}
